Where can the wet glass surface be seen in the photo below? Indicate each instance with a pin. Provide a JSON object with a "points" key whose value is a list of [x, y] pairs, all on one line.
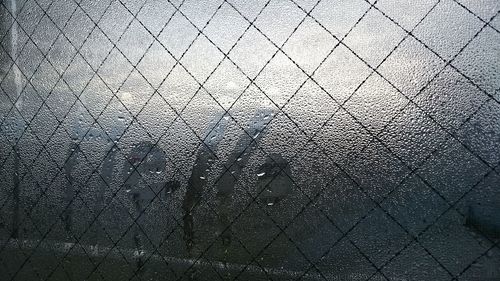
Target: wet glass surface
{"points": [[249, 140]]}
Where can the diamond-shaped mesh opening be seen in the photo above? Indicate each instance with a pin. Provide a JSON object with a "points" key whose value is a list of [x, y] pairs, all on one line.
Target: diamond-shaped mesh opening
{"points": [[249, 140]]}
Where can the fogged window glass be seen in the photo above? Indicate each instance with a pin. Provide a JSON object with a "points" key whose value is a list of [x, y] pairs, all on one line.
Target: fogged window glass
{"points": [[249, 140]]}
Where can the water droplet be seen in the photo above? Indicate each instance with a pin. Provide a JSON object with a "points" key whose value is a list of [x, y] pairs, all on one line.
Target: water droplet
{"points": [[139, 253], [94, 249], [68, 245], [231, 85]]}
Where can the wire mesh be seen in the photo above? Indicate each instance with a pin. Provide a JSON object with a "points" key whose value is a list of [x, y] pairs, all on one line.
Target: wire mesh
{"points": [[249, 140]]}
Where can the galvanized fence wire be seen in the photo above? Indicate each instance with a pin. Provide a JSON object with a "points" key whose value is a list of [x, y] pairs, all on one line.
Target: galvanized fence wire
{"points": [[306, 12]]}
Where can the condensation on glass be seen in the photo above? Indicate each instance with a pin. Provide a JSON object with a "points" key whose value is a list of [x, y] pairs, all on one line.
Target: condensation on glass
{"points": [[249, 140]]}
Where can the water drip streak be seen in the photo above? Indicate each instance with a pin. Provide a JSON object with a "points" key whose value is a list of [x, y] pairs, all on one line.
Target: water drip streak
{"points": [[17, 84]]}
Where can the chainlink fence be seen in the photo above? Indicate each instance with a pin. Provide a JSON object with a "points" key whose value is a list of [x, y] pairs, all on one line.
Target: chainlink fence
{"points": [[249, 140]]}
